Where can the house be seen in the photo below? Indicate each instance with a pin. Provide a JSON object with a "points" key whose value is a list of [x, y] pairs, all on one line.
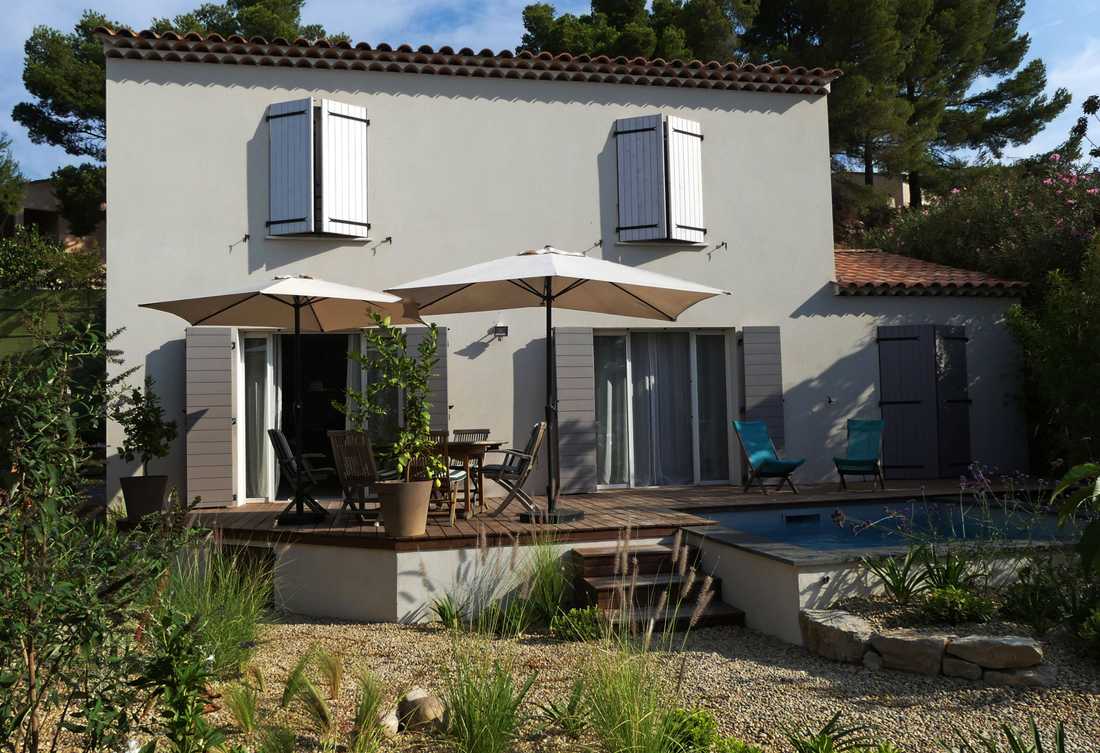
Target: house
{"points": [[232, 161], [895, 188], [41, 210]]}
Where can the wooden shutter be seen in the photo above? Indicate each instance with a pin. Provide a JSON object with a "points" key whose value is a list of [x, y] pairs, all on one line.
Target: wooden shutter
{"points": [[574, 370], [437, 382], [290, 167], [952, 401], [639, 143], [209, 416], [907, 396], [685, 180], [762, 382], [343, 169]]}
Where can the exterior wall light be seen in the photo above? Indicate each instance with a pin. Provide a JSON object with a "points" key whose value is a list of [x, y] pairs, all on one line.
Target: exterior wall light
{"points": [[499, 331]]}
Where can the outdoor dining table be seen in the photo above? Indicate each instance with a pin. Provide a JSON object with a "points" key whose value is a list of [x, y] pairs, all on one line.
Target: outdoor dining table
{"points": [[469, 453]]}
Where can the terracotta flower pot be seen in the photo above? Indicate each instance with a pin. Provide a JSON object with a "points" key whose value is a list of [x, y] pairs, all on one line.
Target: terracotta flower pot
{"points": [[144, 495], [404, 506]]}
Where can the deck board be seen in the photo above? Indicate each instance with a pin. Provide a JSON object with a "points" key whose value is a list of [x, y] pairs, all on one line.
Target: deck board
{"points": [[650, 513]]}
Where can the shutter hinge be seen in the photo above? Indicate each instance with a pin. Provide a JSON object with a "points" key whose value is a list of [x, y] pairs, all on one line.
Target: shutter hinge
{"points": [[635, 130], [234, 497]]}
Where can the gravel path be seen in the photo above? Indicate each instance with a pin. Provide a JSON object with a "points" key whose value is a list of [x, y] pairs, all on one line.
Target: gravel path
{"points": [[755, 685]]}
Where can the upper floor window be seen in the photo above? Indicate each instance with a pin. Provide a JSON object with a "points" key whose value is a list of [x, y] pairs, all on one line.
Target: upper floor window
{"points": [[660, 179], [317, 179]]}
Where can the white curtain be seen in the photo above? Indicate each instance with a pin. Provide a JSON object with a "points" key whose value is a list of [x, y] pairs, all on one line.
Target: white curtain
{"points": [[660, 365], [710, 353], [255, 412], [611, 410]]}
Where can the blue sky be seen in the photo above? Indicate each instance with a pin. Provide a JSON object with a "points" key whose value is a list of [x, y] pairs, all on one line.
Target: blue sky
{"points": [[1065, 33]]}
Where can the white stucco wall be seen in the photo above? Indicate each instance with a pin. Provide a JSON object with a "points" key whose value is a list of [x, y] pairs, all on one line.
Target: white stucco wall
{"points": [[465, 170]]}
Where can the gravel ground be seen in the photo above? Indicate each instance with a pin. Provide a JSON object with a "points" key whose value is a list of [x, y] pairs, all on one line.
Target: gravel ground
{"points": [[756, 686]]}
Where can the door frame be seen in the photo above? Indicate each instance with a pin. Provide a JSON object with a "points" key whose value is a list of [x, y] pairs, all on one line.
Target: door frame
{"points": [[693, 364], [271, 410]]}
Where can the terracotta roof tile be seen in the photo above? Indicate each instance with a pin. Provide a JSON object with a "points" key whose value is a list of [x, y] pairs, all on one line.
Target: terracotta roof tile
{"points": [[323, 53], [874, 272]]}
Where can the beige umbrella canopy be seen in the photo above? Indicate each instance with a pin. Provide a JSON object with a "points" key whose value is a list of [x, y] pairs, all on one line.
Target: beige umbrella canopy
{"points": [[299, 304], [550, 277]]}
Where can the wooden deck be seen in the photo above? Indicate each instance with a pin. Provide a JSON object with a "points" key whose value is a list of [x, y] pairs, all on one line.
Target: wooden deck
{"points": [[651, 513]]}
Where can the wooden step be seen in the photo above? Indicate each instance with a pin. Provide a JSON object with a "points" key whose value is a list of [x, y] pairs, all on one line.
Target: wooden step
{"points": [[601, 590], [716, 613], [600, 561]]}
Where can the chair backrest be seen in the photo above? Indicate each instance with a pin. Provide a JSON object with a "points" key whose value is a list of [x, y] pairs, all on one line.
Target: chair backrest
{"points": [[864, 439], [354, 458], [471, 435], [755, 441], [534, 444], [283, 453]]}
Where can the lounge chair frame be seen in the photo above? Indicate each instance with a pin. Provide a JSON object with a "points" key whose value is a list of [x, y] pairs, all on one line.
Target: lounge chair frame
{"points": [[513, 470], [757, 475]]}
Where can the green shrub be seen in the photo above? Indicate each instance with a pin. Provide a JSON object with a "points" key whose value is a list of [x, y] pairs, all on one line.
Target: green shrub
{"points": [[504, 618], [367, 734], [692, 731], [1090, 631], [579, 624], [277, 740], [953, 605], [483, 702], [1034, 596], [733, 745], [230, 594], [243, 704], [447, 611], [569, 717], [1014, 742], [950, 568], [901, 579]]}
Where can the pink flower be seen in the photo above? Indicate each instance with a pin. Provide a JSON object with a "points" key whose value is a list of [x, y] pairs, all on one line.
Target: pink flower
{"points": [[1048, 181], [1056, 157], [1092, 191], [955, 190]]}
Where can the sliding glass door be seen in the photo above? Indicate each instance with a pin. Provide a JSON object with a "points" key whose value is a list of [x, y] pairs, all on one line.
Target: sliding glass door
{"points": [[661, 408]]}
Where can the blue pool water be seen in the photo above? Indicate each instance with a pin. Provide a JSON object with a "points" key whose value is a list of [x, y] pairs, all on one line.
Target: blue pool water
{"points": [[882, 523]]}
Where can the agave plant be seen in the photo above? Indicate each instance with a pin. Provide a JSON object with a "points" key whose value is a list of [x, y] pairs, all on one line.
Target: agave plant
{"points": [[832, 738], [1014, 742], [902, 580], [567, 717]]}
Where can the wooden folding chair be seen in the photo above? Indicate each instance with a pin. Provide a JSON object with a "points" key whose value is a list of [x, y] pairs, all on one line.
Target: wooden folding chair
{"points": [[513, 470]]}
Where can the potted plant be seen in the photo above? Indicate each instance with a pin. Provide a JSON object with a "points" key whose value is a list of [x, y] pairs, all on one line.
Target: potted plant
{"points": [[148, 436], [414, 452]]}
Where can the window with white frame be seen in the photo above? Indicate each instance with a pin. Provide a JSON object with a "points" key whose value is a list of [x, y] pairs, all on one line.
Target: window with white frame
{"points": [[660, 179], [317, 168]]}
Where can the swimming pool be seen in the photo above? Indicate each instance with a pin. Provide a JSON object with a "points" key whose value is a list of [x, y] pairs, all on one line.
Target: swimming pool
{"points": [[873, 524]]}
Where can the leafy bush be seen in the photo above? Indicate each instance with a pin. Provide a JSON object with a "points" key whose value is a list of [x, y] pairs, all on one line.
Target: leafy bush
{"points": [[447, 611], [692, 731], [31, 261], [147, 434], [230, 593], [177, 673], [902, 580], [1045, 593], [579, 624], [953, 605], [733, 745], [1090, 631], [483, 702], [504, 618]]}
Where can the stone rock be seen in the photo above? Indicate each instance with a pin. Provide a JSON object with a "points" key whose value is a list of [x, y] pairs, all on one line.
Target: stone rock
{"points": [[872, 660], [997, 651], [389, 722], [835, 634], [414, 693], [421, 711], [910, 652], [1043, 676], [953, 667]]}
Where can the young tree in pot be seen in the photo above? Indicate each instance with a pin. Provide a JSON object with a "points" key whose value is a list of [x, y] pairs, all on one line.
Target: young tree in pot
{"points": [[148, 436], [414, 453]]}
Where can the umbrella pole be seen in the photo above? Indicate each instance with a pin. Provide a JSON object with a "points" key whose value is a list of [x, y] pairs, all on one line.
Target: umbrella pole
{"points": [[302, 497], [553, 514]]}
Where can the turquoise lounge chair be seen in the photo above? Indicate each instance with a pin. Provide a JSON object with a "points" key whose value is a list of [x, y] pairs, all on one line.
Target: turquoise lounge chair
{"points": [[763, 460], [864, 452]]}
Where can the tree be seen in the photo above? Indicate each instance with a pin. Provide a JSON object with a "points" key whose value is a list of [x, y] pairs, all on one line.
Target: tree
{"points": [[935, 61], [670, 29], [247, 18], [30, 261], [80, 190], [11, 180]]}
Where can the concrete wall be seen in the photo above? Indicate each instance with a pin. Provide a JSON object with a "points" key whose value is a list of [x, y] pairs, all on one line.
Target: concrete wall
{"points": [[466, 170]]}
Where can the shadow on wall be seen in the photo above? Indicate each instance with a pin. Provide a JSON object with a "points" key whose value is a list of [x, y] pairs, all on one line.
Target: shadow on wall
{"points": [[529, 403], [476, 578]]}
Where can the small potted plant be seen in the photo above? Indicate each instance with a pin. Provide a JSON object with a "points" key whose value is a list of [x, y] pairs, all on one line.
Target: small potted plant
{"points": [[148, 436], [414, 453]]}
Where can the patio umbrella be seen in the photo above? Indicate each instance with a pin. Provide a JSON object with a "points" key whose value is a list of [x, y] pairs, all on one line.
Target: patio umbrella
{"points": [[299, 304], [549, 277]]}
